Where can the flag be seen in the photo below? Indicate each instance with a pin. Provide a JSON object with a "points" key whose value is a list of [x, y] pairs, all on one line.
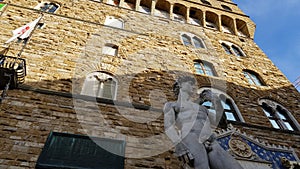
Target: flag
{"points": [[24, 31], [2, 6]]}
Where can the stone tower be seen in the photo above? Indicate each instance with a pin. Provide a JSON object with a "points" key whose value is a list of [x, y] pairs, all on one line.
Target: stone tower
{"points": [[86, 87]]}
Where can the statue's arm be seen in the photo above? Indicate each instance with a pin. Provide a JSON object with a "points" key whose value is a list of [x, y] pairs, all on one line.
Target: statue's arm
{"points": [[169, 123], [207, 95], [219, 110]]}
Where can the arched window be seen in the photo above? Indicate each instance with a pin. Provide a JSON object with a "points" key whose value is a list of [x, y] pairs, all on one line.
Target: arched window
{"points": [[232, 49], [114, 22], [279, 117], [226, 8], [189, 39], [48, 7], [100, 84], [205, 2], [237, 51], [186, 40], [198, 43], [110, 49], [204, 68], [230, 110], [253, 78], [226, 48]]}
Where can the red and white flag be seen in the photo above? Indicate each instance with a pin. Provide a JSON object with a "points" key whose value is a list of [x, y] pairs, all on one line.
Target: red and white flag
{"points": [[24, 31]]}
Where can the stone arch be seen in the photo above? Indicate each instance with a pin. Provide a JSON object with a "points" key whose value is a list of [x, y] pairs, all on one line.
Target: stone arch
{"points": [[100, 84], [225, 98], [162, 8], [254, 77], [212, 20], [179, 12], [145, 6], [242, 28], [227, 24], [196, 16], [277, 107]]}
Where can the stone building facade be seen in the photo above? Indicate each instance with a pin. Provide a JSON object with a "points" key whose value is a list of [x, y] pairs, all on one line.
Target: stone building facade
{"points": [[105, 69]]}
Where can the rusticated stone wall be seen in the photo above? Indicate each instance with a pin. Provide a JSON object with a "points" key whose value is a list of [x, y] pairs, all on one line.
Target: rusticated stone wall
{"points": [[150, 57]]}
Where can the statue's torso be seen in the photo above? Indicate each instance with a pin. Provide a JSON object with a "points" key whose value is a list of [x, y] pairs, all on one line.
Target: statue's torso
{"points": [[191, 118]]}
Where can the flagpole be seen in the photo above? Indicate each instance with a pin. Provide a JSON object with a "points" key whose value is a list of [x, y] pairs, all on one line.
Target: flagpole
{"points": [[25, 44]]}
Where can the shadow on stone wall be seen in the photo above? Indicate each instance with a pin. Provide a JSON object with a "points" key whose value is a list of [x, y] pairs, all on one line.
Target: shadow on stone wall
{"points": [[49, 106], [140, 87]]}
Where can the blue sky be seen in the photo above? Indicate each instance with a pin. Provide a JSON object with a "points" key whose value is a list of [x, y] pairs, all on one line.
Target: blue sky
{"points": [[277, 31]]}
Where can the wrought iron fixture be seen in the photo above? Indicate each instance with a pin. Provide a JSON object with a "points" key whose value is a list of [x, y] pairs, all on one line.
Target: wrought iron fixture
{"points": [[12, 73]]}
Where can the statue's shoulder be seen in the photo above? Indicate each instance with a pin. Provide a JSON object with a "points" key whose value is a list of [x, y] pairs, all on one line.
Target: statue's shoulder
{"points": [[203, 109], [168, 106]]}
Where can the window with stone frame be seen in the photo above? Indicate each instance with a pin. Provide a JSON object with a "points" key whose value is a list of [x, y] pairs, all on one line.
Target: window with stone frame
{"points": [[232, 49], [237, 51], [198, 43], [40, 25], [206, 2], [48, 7], [65, 150], [189, 39], [279, 117], [226, 8], [226, 48], [110, 49], [100, 84], [230, 110], [204, 68], [114, 22], [253, 78]]}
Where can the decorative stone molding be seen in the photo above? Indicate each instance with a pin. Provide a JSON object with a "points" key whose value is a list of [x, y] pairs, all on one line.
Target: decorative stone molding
{"points": [[240, 148], [245, 147], [290, 164]]}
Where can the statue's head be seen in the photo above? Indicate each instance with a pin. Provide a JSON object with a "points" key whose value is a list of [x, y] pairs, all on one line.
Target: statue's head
{"points": [[206, 95], [179, 81]]}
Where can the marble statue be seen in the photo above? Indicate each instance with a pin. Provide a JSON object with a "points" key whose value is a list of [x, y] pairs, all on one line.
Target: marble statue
{"points": [[190, 127]]}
